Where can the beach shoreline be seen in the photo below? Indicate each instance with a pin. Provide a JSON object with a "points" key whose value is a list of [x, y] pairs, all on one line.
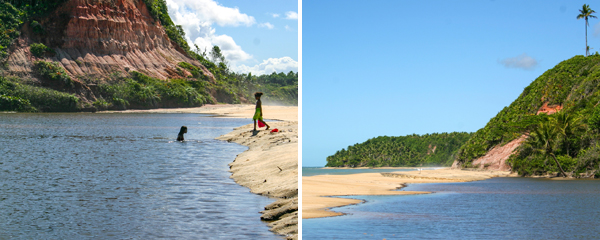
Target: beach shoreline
{"points": [[270, 165], [320, 193], [281, 113]]}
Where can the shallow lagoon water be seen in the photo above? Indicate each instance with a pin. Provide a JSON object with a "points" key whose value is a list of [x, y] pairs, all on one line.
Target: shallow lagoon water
{"points": [[499, 208], [106, 176]]}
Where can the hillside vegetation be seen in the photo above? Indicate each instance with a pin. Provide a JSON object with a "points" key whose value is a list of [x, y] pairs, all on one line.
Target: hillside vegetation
{"points": [[567, 139], [565, 142], [52, 89], [437, 149]]}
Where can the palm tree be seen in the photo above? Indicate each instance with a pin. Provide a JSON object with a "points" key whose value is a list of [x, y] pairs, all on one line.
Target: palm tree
{"points": [[544, 139], [586, 12], [567, 124]]}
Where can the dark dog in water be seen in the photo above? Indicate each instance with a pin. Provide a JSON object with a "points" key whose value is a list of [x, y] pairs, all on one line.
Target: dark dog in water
{"points": [[181, 132]]}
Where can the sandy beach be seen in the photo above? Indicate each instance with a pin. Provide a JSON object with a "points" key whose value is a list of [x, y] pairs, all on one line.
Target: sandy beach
{"points": [[270, 166], [283, 113], [318, 192]]}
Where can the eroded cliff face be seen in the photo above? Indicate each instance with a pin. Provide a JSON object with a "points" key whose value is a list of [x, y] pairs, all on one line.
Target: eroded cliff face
{"points": [[94, 38], [495, 159]]}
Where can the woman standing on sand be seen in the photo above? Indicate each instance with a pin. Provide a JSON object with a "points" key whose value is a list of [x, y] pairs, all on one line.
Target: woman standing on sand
{"points": [[258, 113]]}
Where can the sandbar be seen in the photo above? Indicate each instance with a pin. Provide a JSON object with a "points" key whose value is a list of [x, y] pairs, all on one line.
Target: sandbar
{"points": [[270, 165], [318, 192]]}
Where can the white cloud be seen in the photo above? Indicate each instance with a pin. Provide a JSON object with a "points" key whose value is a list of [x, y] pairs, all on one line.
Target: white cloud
{"points": [[229, 48], [291, 15], [275, 15], [522, 61], [267, 25], [232, 51], [210, 11], [197, 17], [284, 64], [287, 27]]}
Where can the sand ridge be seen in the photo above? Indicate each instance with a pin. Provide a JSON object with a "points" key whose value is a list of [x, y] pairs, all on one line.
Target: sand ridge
{"points": [[318, 191], [270, 166]]}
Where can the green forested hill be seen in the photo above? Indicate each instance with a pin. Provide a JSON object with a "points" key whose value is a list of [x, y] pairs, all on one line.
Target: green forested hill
{"points": [[569, 137], [437, 149], [566, 142]]}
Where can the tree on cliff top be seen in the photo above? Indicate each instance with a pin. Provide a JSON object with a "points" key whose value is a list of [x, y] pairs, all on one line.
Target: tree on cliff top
{"points": [[586, 12]]}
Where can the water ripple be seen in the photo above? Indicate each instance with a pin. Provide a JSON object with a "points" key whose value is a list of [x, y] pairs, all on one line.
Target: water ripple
{"points": [[73, 176]]}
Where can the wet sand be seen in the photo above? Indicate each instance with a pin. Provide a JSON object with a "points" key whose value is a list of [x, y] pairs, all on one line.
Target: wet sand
{"points": [[270, 166], [318, 192]]}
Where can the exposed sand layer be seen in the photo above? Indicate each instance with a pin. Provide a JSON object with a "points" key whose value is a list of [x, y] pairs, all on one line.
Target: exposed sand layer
{"points": [[495, 159], [316, 189], [284, 113], [270, 166], [549, 109]]}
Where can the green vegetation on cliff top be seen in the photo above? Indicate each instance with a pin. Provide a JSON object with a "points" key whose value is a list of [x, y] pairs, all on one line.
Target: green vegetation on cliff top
{"points": [[437, 149]]}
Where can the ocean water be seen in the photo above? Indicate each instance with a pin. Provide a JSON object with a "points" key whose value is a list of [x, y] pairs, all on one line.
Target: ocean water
{"points": [[121, 176], [499, 208], [312, 171]]}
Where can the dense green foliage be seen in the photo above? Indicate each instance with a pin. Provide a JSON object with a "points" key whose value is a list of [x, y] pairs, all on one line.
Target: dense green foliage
{"points": [[34, 98], [39, 49], [278, 88], [11, 18], [552, 135], [10, 103], [53, 72], [35, 8], [437, 149], [13, 13], [574, 84], [141, 91]]}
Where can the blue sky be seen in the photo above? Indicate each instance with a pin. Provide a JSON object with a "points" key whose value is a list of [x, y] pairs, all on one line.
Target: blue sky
{"points": [[255, 36], [373, 68]]}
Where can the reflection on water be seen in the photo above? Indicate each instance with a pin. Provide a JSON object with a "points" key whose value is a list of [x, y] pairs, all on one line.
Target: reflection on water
{"points": [[122, 176], [500, 208]]}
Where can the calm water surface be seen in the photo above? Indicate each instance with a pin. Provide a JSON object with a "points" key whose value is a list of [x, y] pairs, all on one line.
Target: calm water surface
{"points": [[500, 208], [116, 176]]}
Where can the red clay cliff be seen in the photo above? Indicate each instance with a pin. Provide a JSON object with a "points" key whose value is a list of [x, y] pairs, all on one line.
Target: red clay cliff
{"points": [[95, 38]]}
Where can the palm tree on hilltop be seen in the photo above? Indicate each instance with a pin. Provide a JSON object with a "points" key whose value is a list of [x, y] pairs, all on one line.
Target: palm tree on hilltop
{"points": [[586, 12]]}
